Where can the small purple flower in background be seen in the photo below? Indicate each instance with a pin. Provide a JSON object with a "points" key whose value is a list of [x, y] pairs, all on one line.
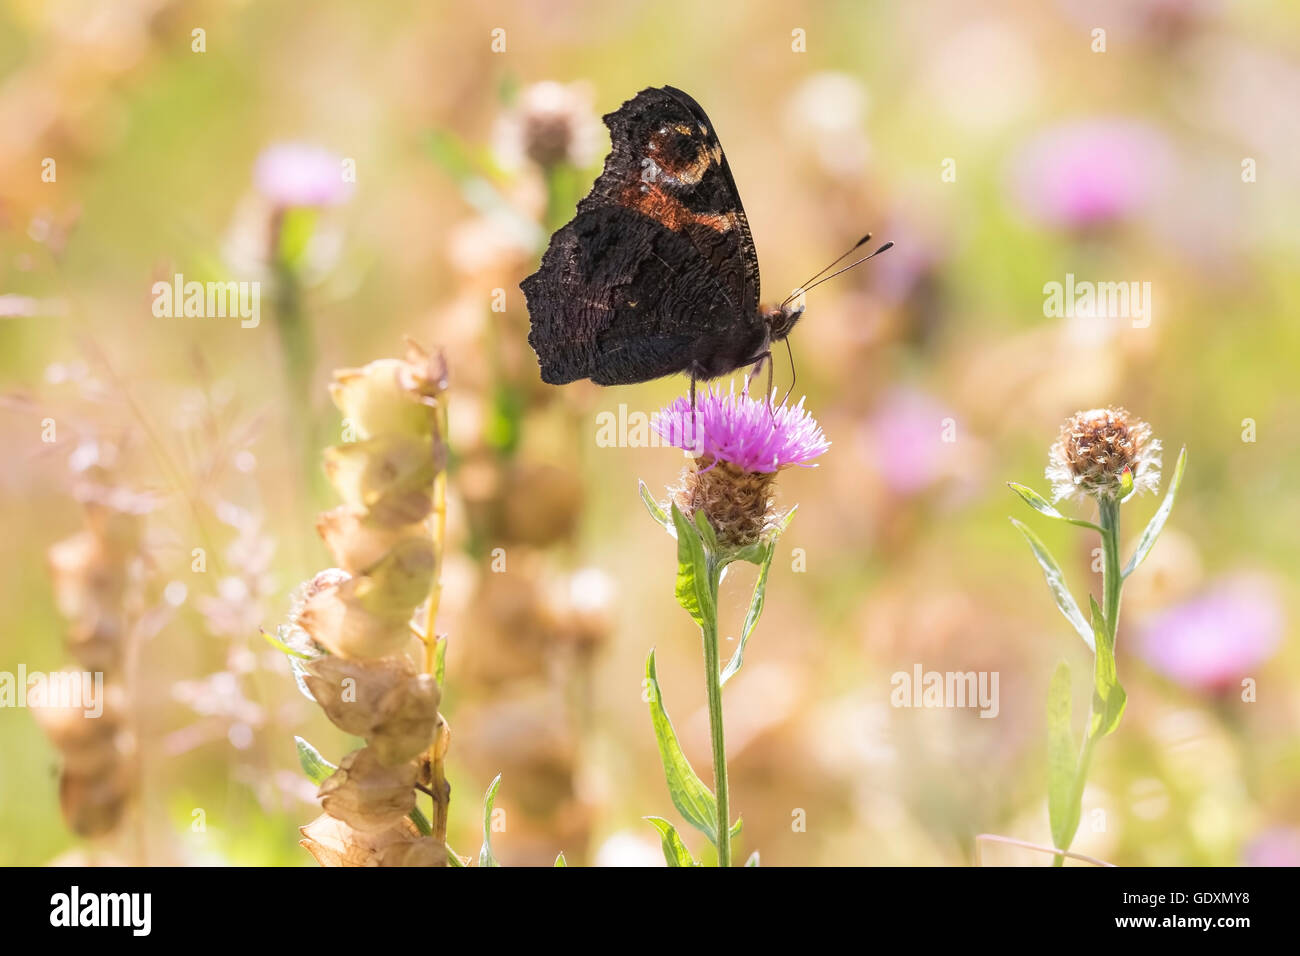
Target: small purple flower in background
{"points": [[1211, 641], [1277, 846], [1090, 172], [292, 175], [904, 441], [740, 444]]}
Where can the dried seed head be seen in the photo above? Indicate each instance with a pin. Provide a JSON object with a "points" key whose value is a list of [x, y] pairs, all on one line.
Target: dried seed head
{"points": [[334, 843], [1104, 453], [391, 397], [356, 541], [367, 795], [389, 477], [333, 619], [386, 701], [553, 123], [738, 503], [93, 805]]}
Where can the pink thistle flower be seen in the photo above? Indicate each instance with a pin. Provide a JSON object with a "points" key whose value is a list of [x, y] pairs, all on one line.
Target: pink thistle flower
{"points": [[1211, 641], [291, 175], [745, 432], [740, 444], [1090, 172]]}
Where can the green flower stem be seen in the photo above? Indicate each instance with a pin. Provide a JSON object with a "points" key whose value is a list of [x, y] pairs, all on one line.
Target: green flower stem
{"points": [[1112, 579], [714, 678]]}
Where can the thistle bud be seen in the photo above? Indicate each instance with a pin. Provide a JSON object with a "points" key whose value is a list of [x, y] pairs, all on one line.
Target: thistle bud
{"points": [[1104, 453]]}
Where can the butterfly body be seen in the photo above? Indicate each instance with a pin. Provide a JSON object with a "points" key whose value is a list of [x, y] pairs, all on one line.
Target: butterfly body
{"points": [[657, 273]]}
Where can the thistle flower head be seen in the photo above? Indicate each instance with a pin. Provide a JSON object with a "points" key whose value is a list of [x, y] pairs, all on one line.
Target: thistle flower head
{"points": [[292, 175], [742, 431], [1104, 453], [740, 444]]}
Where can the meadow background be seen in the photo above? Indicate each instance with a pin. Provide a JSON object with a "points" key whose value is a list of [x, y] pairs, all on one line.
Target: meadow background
{"points": [[992, 142]]}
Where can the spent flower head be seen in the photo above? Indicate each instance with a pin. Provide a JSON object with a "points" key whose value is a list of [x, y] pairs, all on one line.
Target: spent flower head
{"points": [[1104, 453], [740, 444], [552, 123]]}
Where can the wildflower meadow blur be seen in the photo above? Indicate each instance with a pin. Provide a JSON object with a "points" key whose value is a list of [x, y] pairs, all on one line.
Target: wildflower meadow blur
{"points": [[339, 579]]}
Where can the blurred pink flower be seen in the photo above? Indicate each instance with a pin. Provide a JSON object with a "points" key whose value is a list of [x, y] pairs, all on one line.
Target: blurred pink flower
{"points": [[300, 174], [1211, 641], [1278, 846], [1090, 172], [905, 440]]}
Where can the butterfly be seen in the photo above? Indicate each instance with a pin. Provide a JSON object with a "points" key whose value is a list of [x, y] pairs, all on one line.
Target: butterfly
{"points": [[657, 273]]}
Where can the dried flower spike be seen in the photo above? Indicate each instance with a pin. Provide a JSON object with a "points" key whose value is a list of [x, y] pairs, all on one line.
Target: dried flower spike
{"points": [[97, 576], [741, 444], [1104, 453], [353, 621]]}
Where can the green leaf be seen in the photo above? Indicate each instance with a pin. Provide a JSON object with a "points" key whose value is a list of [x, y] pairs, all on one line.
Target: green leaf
{"points": [[753, 859], [560, 860], [693, 800], [1157, 522], [693, 589], [755, 611], [439, 660], [453, 858], [316, 767], [707, 534], [1043, 507], [274, 641], [1056, 583], [1109, 699], [652, 506], [675, 851], [1126, 484], [485, 857], [1062, 810]]}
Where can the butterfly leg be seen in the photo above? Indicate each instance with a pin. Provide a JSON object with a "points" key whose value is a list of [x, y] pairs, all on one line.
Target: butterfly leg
{"points": [[794, 374], [756, 367]]}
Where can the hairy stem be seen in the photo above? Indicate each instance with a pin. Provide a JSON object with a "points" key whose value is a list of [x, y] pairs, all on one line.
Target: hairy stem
{"points": [[441, 789], [714, 679]]}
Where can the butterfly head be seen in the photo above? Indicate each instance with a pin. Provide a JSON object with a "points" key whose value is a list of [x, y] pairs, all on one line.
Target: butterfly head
{"points": [[781, 319]]}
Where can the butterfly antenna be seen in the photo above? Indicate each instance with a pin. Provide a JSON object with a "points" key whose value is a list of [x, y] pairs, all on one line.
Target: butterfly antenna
{"points": [[803, 288], [885, 248]]}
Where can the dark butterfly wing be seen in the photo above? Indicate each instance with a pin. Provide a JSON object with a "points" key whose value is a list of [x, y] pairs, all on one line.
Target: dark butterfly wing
{"points": [[657, 272]]}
